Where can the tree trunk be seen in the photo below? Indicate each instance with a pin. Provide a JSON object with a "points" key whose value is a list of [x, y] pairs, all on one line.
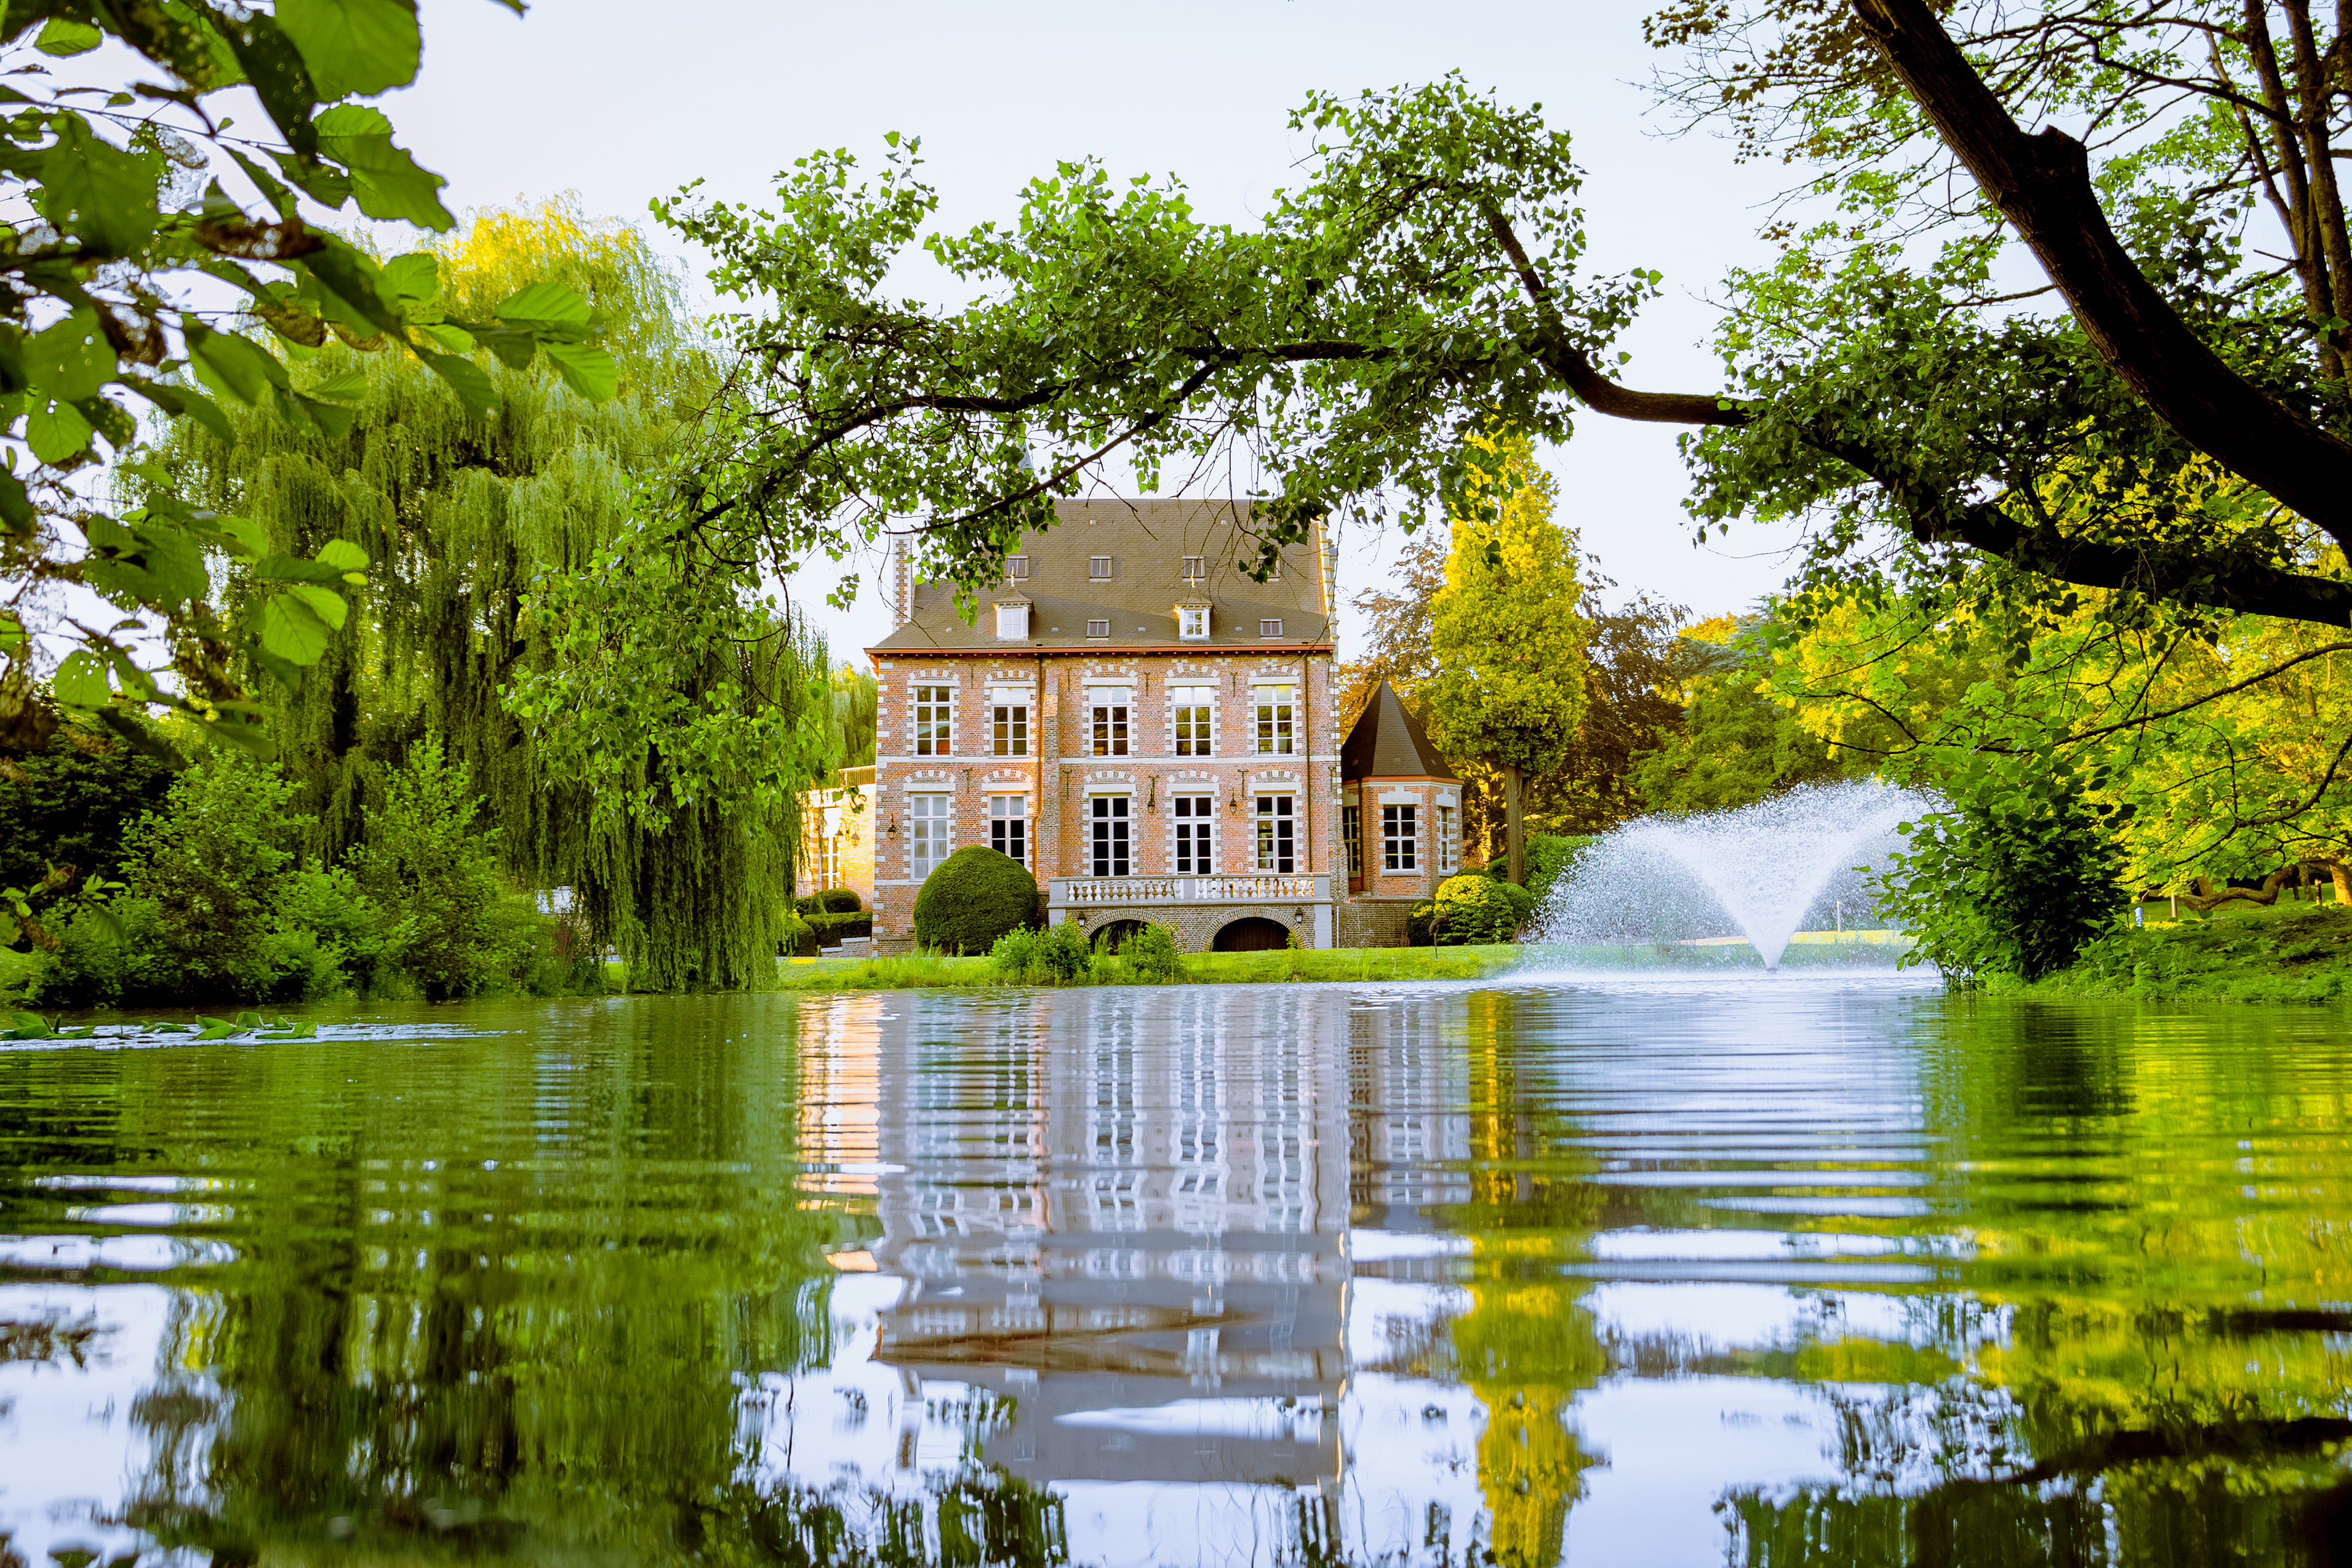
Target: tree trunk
{"points": [[2340, 872], [1513, 825]]}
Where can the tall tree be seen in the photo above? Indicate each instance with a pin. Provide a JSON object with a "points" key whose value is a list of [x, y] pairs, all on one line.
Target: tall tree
{"points": [[1506, 636], [474, 633]]}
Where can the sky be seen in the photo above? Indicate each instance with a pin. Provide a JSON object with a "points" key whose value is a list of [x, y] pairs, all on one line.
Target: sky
{"points": [[620, 104]]}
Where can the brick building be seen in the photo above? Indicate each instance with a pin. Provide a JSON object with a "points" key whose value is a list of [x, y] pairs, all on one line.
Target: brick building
{"points": [[1151, 733]]}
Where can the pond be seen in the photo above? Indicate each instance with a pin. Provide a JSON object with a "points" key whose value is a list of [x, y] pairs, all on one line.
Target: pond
{"points": [[1832, 1269]]}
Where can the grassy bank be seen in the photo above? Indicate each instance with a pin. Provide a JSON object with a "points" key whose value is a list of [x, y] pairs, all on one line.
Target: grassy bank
{"points": [[2242, 952], [1200, 968]]}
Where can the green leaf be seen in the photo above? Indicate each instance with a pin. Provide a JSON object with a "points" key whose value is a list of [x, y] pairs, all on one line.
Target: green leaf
{"points": [[353, 48], [586, 369], [324, 603], [72, 360], [62, 39], [292, 631], [456, 340], [322, 182], [32, 1027], [346, 558], [348, 387], [96, 192], [414, 276], [244, 735], [180, 403], [386, 181], [214, 1028], [354, 282], [80, 681], [234, 366], [274, 66], [333, 420], [470, 381], [240, 536], [57, 432], [294, 569], [552, 308]]}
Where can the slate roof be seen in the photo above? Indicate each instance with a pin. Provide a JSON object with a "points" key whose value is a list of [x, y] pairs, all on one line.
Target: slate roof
{"points": [[1146, 541], [1386, 743]]}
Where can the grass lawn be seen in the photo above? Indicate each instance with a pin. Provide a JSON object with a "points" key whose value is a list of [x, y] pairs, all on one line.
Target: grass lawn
{"points": [[899, 974], [2240, 953]]}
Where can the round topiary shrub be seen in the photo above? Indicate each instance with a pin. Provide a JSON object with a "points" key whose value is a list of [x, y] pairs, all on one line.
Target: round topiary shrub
{"points": [[796, 938], [841, 901], [975, 896], [1473, 908]]}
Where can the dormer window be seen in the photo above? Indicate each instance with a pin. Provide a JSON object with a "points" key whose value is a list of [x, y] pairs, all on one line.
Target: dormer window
{"points": [[1098, 628], [1196, 568], [1017, 567], [1012, 622], [1098, 568], [1192, 622], [1269, 628]]}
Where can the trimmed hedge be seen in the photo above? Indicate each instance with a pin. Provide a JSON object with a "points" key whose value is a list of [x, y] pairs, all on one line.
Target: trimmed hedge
{"points": [[1474, 910], [975, 896], [796, 938], [832, 928], [832, 901]]}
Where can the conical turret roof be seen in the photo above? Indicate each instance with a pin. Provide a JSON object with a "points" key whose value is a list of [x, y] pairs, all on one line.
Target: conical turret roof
{"points": [[1386, 743]]}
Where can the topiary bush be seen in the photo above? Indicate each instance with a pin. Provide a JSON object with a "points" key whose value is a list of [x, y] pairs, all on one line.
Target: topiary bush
{"points": [[974, 897], [1473, 908], [796, 938], [1417, 922], [831, 901]]}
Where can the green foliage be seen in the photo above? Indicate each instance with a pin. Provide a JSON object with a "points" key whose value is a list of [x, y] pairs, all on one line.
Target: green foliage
{"points": [[2291, 951], [1474, 910], [70, 804], [1153, 957], [974, 897], [833, 927], [2016, 880], [1737, 745], [1057, 955], [212, 863], [638, 728], [435, 875], [1549, 854], [128, 185], [831, 901], [796, 937], [1419, 922]]}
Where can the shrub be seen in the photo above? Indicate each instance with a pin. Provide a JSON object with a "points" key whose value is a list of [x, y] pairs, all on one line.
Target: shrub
{"points": [[1417, 920], [2017, 879], [71, 803], [975, 896], [1152, 954], [1052, 957], [834, 928], [438, 879], [211, 863], [840, 902], [796, 938], [1472, 908], [1550, 855]]}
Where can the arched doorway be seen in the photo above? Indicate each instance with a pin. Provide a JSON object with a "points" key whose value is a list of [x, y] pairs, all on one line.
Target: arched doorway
{"points": [[1255, 934], [1114, 937]]}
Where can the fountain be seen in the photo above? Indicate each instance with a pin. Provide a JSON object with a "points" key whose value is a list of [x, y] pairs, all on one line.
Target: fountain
{"points": [[1761, 871]]}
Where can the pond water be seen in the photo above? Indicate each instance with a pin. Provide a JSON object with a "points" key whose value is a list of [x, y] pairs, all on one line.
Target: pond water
{"points": [[1830, 1270]]}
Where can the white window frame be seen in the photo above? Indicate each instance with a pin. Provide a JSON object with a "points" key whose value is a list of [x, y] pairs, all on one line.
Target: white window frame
{"points": [[1008, 725], [1110, 724], [1098, 568], [1110, 835], [1203, 698], [1008, 821], [930, 831], [1274, 820], [1192, 853], [1193, 622], [940, 740], [1098, 628], [1012, 622], [1270, 626], [1196, 568], [1016, 568], [1449, 838], [1273, 711], [1399, 839], [1352, 839]]}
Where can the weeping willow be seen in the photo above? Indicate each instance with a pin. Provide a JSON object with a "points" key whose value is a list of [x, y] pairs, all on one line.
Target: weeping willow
{"points": [[468, 520]]}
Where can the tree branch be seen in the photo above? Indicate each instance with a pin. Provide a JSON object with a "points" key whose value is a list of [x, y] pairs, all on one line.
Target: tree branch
{"points": [[2042, 186]]}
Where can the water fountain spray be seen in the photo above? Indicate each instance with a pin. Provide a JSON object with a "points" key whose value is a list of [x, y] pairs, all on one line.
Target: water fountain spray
{"points": [[1764, 871]]}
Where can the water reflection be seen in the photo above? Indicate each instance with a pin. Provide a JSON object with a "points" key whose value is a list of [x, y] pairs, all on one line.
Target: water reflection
{"points": [[1794, 1273]]}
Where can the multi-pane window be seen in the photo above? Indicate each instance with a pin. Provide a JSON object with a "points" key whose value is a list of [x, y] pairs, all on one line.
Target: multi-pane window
{"points": [[1399, 836], [1196, 835], [1269, 628], [1273, 704], [1008, 826], [927, 830], [1196, 568], [1276, 834], [934, 710], [1098, 568], [1449, 843], [1017, 567], [1193, 622], [1193, 704], [1098, 628], [1106, 825], [1351, 835], [1107, 709], [1008, 728]]}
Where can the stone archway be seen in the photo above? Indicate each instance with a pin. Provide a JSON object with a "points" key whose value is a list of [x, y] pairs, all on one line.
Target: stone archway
{"points": [[1112, 936], [1253, 933]]}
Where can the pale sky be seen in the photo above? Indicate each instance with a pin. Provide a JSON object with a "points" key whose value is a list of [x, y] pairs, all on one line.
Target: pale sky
{"points": [[622, 104]]}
